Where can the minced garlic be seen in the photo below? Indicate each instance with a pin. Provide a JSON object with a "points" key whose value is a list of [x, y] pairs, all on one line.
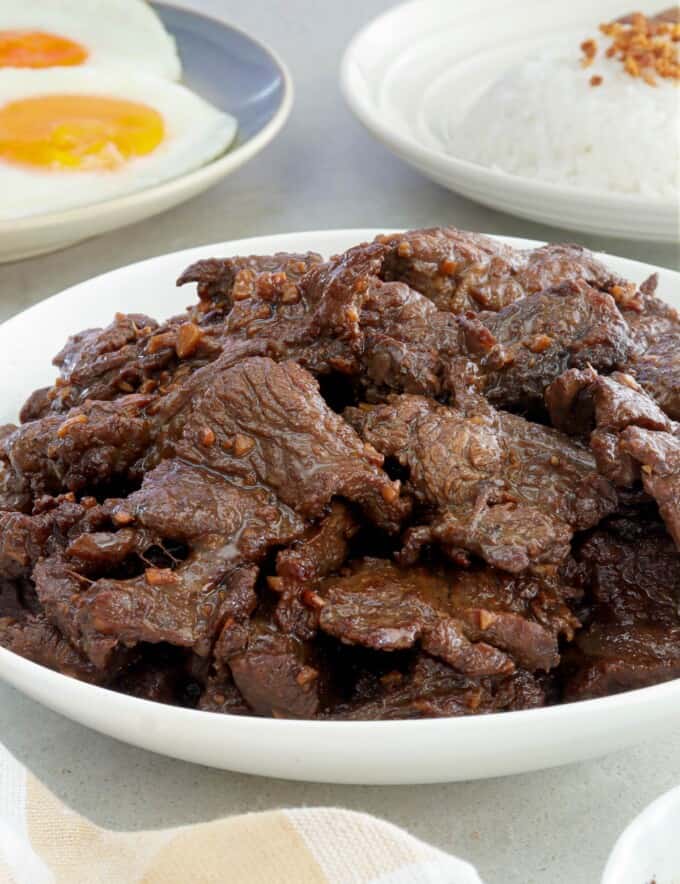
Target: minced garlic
{"points": [[646, 47]]}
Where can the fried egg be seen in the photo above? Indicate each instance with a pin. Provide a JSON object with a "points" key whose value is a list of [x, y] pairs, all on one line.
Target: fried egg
{"points": [[42, 34], [78, 136]]}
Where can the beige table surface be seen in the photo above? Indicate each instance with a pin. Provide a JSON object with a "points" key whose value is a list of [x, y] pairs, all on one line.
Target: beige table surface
{"points": [[324, 172]]}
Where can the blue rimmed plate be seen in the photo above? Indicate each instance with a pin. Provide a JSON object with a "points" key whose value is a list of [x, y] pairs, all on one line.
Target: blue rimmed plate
{"points": [[221, 64]]}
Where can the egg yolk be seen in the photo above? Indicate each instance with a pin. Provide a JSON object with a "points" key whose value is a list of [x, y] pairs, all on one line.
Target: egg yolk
{"points": [[36, 49], [77, 132]]}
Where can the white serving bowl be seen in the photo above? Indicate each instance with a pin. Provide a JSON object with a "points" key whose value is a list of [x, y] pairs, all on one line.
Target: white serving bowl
{"points": [[649, 849], [384, 752]]}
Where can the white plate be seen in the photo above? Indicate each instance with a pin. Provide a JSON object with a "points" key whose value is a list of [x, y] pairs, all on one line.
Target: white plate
{"points": [[649, 849], [434, 750], [225, 66], [413, 72]]}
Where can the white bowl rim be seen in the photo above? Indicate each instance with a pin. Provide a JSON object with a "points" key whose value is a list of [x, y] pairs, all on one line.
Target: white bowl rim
{"points": [[219, 167], [367, 113], [544, 716], [627, 840]]}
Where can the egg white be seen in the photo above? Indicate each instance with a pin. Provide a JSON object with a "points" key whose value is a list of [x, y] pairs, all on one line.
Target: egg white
{"points": [[195, 133], [118, 33]]}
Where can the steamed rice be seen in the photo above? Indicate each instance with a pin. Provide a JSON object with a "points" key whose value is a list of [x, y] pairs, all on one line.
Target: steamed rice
{"points": [[544, 120]]}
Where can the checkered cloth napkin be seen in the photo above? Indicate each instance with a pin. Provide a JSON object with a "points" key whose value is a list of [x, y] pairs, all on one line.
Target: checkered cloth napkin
{"points": [[44, 842]]}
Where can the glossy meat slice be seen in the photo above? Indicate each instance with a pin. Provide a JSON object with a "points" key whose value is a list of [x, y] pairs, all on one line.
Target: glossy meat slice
{"points": [[631, 571], [266, 422], [35, 638], [632, 438], [276, 674], [491, 483], [225, 528], [619, 402], [659, 457], [132, 355], [480, 622], [541, 336], [25, 539], [312, 320], [395, 338], [457, 270], [187, 609], [98, 363], [581, 400], [341, 316], [658, 370], [221, 282], [88, 446], [462, 271], [15, 491], [655, 363], [320, 551], [556, 263], [431, 689], [407, 345]]}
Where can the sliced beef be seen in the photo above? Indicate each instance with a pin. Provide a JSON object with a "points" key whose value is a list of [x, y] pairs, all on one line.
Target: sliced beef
{"points": [[320, 551], [477, 621], [15, 492], [658, 370], [225, 528], [328, 332], [132, 355], [89, 446], [551, 264], [458, 271], [301, 498], [631, 570], [25, 539], [431, 689], [267, 423], [659, 457], [351, 315], [462, 271], [223, 281], [632, 437], [407, 345], [619, 402], [17, 598], [382, 611], [581, 400], [275, 673], [99, 363], [543, 335], [38, 640], [655, 362], [491, 483]]}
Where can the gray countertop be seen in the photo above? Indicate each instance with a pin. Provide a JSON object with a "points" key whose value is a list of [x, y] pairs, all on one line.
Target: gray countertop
{"points": [[324, 171]]}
